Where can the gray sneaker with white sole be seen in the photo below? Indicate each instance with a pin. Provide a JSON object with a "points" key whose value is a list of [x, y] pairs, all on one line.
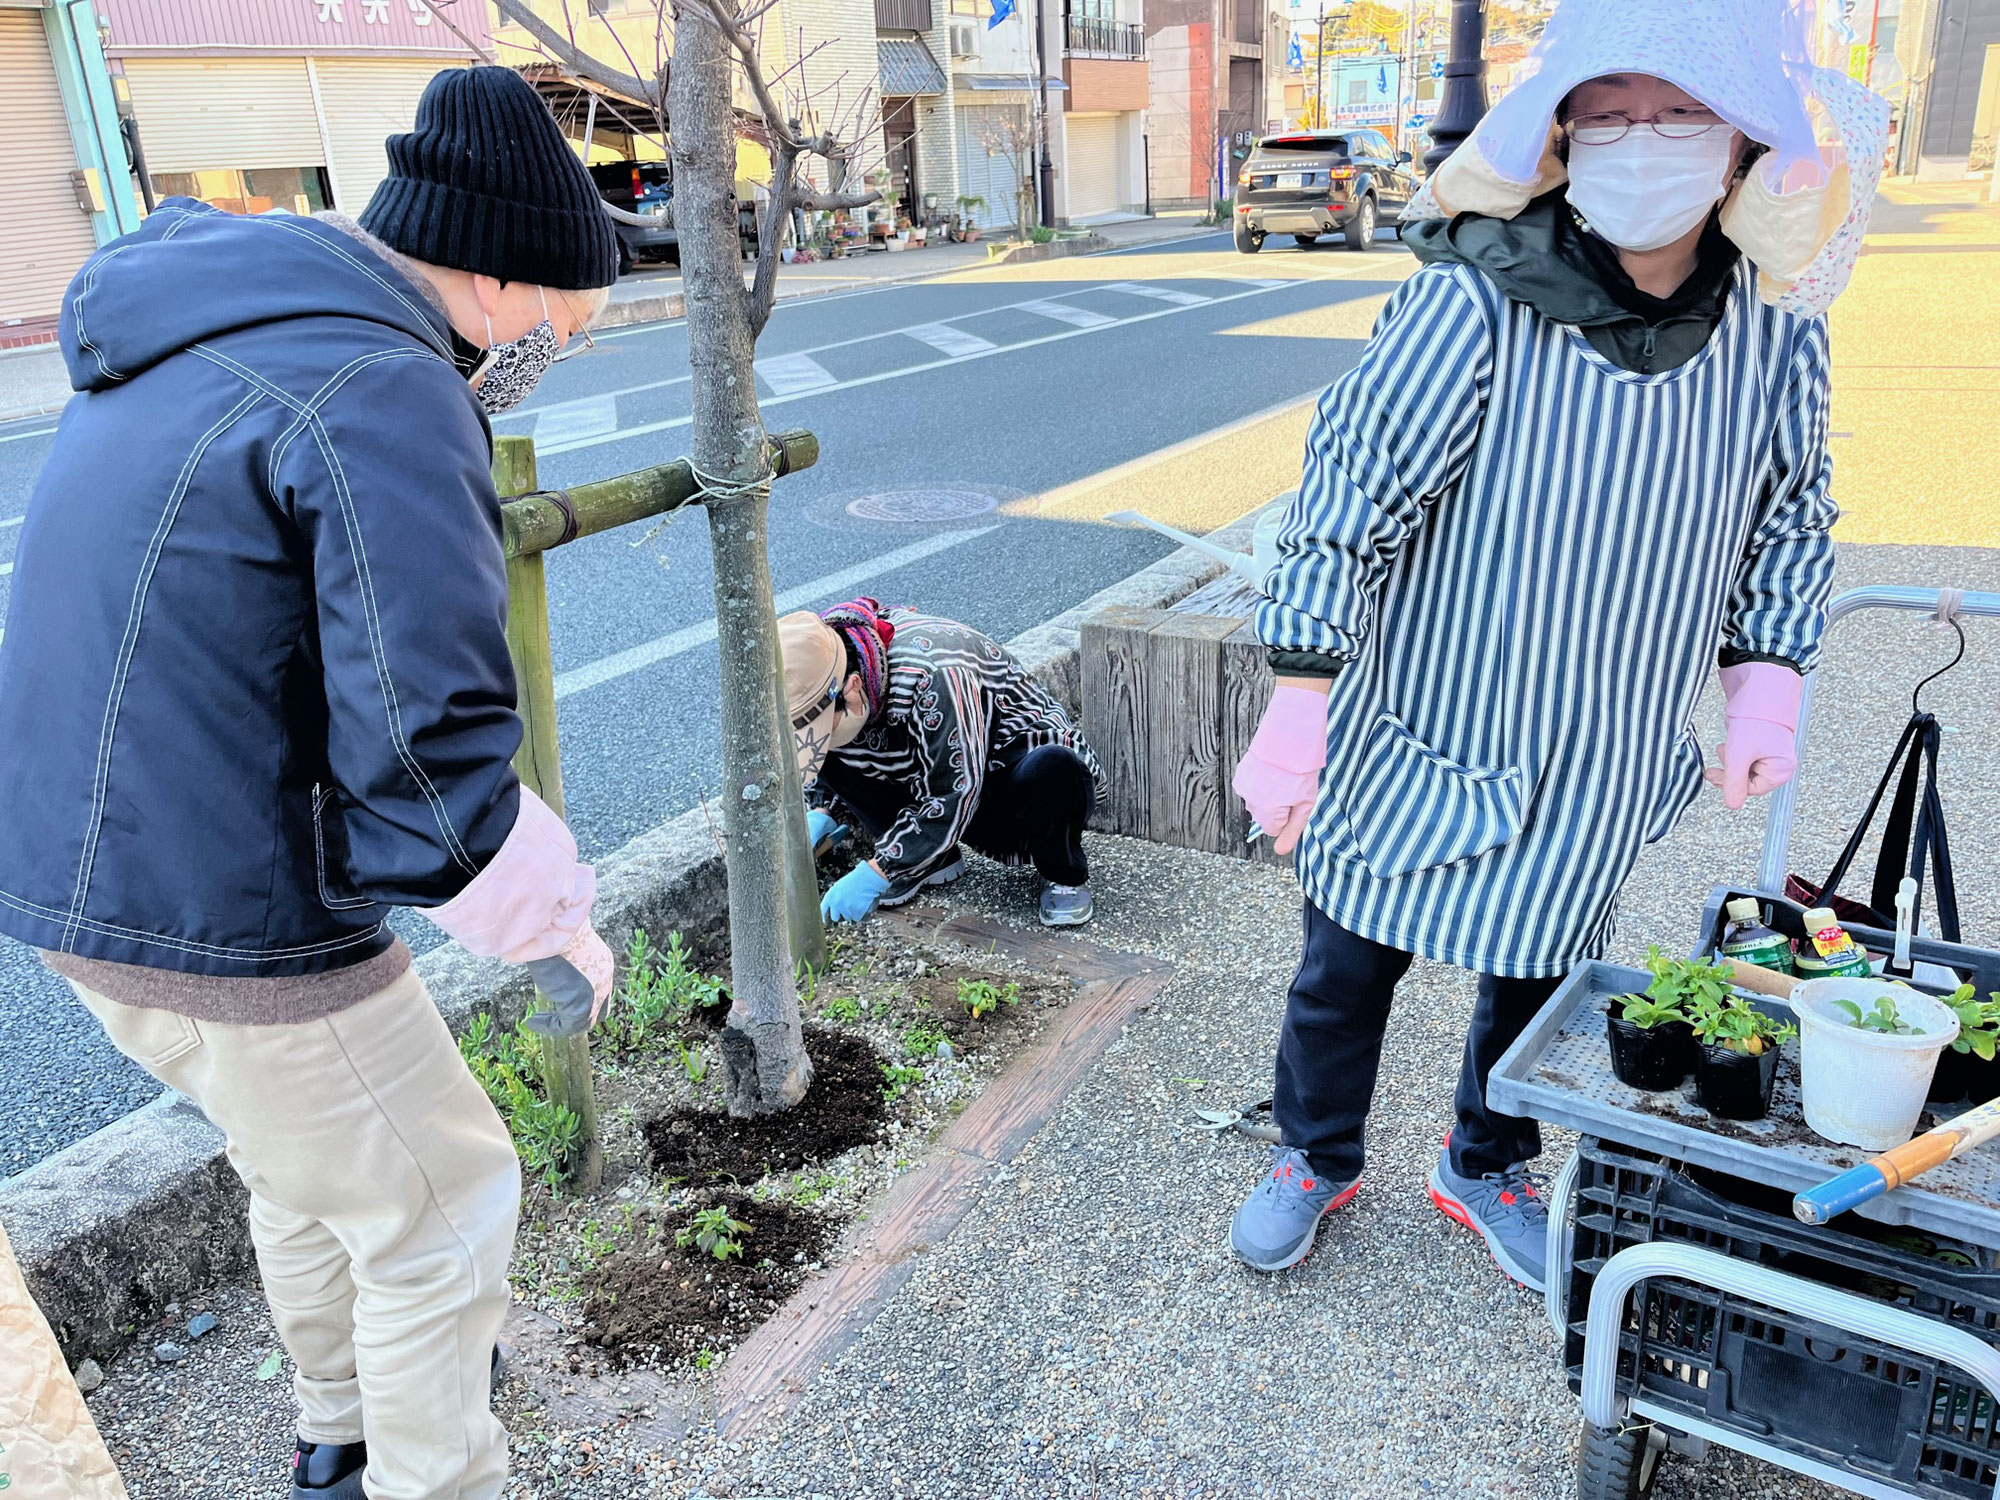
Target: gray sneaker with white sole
{"points": [[1066, 905], [1506, 1209], [1275, 1226], [944, 874]]}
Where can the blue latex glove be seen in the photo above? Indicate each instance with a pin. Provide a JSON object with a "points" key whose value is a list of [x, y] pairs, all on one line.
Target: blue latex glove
{"points": [[821, 830], [852, 897]]}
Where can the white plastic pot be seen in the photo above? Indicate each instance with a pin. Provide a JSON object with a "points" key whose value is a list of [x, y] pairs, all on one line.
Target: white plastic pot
{"points": [[1866, 1088]]}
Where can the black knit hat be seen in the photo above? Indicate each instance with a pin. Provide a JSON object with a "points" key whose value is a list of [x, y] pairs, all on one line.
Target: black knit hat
{"points": [[486, 183]]}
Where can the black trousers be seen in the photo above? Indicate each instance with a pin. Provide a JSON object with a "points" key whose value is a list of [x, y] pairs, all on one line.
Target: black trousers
{"points": [[1331, 1046], [1032, 808]]}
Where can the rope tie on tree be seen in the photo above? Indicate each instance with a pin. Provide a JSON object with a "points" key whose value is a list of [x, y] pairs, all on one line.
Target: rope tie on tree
{"points": [[711, 487]]}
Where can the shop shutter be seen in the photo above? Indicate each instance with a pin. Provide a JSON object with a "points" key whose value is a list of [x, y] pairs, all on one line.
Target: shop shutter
{"points": [[244, 113], [982, 127], [367, 100], [47, 236], [1093, 164]]}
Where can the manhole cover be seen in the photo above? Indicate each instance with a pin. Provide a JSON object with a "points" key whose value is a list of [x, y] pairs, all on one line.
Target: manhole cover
{"points": [[920, 506]]}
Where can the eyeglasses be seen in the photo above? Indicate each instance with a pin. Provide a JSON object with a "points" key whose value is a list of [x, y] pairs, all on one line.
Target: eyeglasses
{"points": [[571, 349], [1682, 122]]}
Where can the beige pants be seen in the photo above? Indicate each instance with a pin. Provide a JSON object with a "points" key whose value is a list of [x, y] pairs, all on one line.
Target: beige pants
{"points": [[49, 1447], [383, 1195]]}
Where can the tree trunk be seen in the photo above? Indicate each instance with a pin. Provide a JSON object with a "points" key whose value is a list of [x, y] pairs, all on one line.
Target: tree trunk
{"points": [[763, 1047], [801, 875]]}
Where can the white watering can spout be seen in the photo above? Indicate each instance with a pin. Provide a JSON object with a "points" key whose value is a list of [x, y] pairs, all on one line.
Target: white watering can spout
{"points": [[1253, 565]]}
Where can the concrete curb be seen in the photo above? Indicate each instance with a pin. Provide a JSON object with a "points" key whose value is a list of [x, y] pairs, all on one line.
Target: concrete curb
{"points": [[147, 1210]]}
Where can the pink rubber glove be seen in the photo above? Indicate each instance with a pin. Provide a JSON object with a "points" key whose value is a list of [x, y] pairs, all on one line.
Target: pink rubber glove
{"points": [[1278, 777], [1759, 751]]}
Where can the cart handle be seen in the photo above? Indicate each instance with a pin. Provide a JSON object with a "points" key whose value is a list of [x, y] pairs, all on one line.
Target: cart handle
{"points": [[1774, 866], [1602, 1406]]}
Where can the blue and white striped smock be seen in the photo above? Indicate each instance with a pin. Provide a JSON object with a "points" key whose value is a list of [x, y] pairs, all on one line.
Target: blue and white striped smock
{"points": [[1529, 558]]}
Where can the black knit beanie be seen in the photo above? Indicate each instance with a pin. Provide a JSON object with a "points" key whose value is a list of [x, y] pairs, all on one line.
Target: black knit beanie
{"points": [[486, 183]]}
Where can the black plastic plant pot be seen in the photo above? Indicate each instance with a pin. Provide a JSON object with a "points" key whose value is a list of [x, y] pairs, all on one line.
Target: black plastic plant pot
{"points": [[1962, 1075], [1734, 1085], [1650, 1057]]}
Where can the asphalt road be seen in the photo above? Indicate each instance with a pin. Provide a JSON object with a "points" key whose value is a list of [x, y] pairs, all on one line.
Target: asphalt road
{"points": [[943, 409]]}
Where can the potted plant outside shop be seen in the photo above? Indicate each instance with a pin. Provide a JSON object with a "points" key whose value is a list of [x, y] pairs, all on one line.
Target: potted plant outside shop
{"points": [[1736, 1063], [1969, 1069], [1650, 1036], [969, 206]]}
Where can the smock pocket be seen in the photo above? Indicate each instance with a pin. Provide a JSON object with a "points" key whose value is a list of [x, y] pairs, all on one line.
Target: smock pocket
{"points": [[1683, 785], [330, 852], [1411, 808]]}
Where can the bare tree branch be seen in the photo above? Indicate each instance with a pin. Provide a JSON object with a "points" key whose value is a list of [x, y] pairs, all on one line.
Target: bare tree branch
{"points": [[575, 61]]}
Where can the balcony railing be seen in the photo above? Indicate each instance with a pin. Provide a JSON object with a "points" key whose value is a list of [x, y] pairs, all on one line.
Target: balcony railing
{"points": [[1092, 37], [902, 15]]}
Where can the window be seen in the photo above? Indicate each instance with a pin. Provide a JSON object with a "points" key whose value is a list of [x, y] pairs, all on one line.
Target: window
{"points": [[299, 190], [1427, 88], [979, 9], [1357, 91]]}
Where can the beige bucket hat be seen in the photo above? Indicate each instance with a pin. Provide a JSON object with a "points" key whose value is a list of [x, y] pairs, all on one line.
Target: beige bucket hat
{"points": [[812, 656]]}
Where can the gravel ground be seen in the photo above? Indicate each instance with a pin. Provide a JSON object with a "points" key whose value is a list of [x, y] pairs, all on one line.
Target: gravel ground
{"points": [[1085, 1332]]}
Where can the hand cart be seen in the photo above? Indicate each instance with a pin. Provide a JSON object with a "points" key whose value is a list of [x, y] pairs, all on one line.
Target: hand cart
{"points": [[1695, 1309]]}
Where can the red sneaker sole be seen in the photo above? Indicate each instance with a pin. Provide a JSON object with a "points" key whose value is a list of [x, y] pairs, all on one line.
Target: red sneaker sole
{"points": [[1455, 1211]]}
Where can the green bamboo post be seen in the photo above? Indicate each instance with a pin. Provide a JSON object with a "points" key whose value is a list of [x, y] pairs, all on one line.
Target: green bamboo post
{"points": [[565, 1060]]}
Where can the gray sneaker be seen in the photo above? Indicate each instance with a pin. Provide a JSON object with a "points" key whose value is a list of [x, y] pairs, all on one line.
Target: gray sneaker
{"points": [[1506, 1209], [1275, 1226], [944, 874], [1066, 905]]}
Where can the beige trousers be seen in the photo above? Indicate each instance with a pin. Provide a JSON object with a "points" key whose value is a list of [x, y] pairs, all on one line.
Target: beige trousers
{"points": [[49, 1447], [383, 1194]]}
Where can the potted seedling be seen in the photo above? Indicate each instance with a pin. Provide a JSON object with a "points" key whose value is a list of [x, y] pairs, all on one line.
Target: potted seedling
{"points": [[1651, 1039], [1968, 1069], [1868, 1051], [969, 205], [1736, 1061]]}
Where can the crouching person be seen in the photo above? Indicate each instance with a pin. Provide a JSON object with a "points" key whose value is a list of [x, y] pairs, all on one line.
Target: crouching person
{"points": [[256, 692], [931, 737]]}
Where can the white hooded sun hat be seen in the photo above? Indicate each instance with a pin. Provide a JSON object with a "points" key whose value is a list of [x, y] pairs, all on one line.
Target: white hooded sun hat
{"points": [[1800, 212]]}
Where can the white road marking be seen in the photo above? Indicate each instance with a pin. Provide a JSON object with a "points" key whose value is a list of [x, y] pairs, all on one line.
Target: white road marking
{"points": [[1062, 312], [15, 437], [788, 374], [949, 340], [6, 569], [577, 419], [832, 586], [12, 521], [917, 369], [1157, 293]]}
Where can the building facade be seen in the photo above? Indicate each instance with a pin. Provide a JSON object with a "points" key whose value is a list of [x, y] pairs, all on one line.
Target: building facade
{"points": [[259, 104], [65, 187], [1217, 71]]}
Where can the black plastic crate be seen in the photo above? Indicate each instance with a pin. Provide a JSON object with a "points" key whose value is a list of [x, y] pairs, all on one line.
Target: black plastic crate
{"points": [[1877, 1410]]}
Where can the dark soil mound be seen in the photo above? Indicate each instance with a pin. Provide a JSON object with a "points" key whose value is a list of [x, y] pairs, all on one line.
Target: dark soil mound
{"points": [[667, 1305], [843, 1109]]}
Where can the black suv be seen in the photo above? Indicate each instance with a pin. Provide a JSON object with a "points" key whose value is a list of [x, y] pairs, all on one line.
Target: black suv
{"points": [[645, 188], [1307, 183]]}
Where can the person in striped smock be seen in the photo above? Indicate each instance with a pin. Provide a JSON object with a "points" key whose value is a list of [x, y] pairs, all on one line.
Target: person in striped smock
{"points": [[932, 737], [1582, 460]]}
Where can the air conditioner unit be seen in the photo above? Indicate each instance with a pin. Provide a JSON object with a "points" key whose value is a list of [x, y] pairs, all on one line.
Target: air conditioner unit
{"points": [[964, 39]]}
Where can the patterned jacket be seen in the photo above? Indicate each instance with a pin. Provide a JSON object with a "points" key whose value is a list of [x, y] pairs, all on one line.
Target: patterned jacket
{"points": [[957, 707]]}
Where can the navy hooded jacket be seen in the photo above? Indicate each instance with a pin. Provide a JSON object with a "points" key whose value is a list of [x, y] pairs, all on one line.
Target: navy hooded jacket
{"points": [[255, 687]]}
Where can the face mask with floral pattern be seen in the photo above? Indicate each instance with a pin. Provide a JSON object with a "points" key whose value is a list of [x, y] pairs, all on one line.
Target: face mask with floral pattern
{"points": [[517, 367]]}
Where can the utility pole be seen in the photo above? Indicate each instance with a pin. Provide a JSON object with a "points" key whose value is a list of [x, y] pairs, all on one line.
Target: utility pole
{"points": [[1319, 70], [1047, 168], [1464, 101]]}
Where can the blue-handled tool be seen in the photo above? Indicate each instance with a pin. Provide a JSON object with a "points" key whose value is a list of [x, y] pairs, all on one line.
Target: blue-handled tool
{"points": [[1892, 1169]]}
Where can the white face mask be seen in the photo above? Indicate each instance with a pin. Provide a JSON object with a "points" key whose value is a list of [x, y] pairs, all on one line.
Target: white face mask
{"points": [[1645, 190]]}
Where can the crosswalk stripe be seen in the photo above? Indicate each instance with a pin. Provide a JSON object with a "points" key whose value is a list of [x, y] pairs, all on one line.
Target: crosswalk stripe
{"points": [[786, 373], [1174, 295], [1062, 312], [949, 340], [577, 419]]}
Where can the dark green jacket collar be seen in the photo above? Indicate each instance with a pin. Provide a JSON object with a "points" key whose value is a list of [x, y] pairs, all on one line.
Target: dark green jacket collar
{"points": [[1543, 257]]}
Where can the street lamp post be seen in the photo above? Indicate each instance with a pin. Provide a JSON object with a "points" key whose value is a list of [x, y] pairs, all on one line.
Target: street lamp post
{"points": [[1319, 70], [1046, 171], [1464, 100]]}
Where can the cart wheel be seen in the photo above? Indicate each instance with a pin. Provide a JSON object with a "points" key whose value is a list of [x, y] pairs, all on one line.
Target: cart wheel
{"points": [[1617, 1463]]}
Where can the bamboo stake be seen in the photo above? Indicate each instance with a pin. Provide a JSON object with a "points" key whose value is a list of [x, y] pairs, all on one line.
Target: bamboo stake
{"points": [[565, 1060]]}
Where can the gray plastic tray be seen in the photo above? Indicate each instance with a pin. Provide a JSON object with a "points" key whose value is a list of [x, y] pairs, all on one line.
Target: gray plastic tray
{"points": [[1559, 1071]]}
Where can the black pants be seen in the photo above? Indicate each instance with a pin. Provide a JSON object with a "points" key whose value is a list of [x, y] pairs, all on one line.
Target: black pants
{"points": [[1033, 808], [1331, 1047]]}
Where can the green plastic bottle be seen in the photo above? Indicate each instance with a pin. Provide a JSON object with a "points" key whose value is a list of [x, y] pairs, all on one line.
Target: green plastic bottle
{"points": [[1747, 938], [1828, 952]]}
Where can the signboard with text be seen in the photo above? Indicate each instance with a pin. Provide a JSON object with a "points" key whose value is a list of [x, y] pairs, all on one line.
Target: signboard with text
{"points": [[403, 26]]}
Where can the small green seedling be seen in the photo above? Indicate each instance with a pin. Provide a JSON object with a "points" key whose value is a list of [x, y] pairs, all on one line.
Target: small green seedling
{"points": [[694, 1062], [899, 1080], [922, 1039], [1978, 1023], [1733, 1023], [596, 1241], [846, 1009], [981, 997], [704, 1359], [1645, 1012], [507, 1066], [1883, 1019], [1686, 985], [714, 1233]]}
